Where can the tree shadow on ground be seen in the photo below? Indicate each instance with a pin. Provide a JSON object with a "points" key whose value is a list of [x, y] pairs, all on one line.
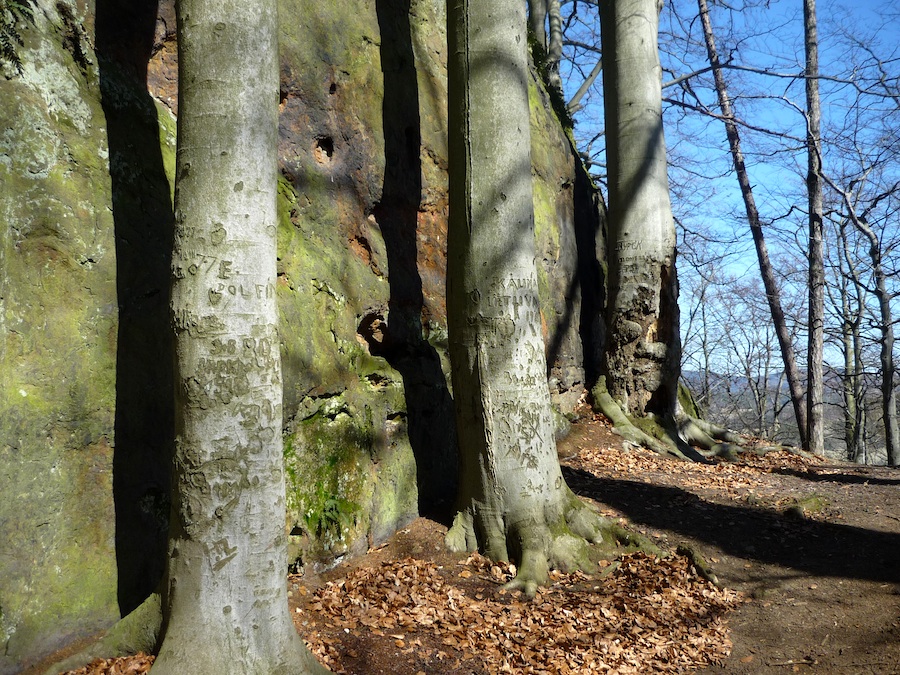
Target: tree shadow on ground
{"points": [[764, 535], [143, 217], [845, 478]]}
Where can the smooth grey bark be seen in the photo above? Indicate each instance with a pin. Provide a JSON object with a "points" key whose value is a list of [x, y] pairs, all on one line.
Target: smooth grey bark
{"points": [[815, 394], [513, 500], [537, 21], [773, 295], [225, 604], [886, 327], [574, 103], [643, 350]]}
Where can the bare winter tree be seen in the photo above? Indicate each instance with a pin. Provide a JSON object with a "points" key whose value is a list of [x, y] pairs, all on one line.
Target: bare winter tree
{"points": [[815, 404], [767, 271], [847, 294]]}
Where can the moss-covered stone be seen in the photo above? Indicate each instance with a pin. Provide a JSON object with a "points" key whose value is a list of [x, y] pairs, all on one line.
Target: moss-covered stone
{"points": [[58, 318], [351, 471]]}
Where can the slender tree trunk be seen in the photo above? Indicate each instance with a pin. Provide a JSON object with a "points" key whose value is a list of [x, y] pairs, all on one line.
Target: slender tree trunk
{"points": [[848, 386], [815, 395], [555, 44], [888, 367], [859, 394], [854, 408], [537, 21], [773, 295], [225, 601], [513, 500], [643, 351], [885, 327], [540, 13]]}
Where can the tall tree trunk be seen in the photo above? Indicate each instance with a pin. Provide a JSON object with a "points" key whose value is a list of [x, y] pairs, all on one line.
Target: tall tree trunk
{"points": [[815, 395], [540, 13], [888, 367], [773, 295], [643, 351], [225, 600], [537, 22], [513, 500], [555, 44]]}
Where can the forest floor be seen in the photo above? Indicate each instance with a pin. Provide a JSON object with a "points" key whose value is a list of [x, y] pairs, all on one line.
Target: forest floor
{"points": [[806, 552]]}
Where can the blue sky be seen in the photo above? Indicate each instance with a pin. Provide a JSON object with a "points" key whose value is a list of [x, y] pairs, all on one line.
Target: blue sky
{"points": [[705, 193]]}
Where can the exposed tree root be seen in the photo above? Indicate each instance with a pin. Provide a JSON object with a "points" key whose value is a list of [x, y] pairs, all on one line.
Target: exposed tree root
{"points": [[699, 563], [136, 632], [571, 542], [683, 436], [664, 441], [712, 441], [537, 544]]}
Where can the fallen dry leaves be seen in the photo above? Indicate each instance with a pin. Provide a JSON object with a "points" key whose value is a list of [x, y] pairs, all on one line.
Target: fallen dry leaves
{"points": [[637, 615], [742, 481], [126, 665], [644, 615]]}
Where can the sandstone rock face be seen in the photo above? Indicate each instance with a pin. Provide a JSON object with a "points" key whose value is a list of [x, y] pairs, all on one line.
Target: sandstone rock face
{"points": [[87, 143], [58, 331]]}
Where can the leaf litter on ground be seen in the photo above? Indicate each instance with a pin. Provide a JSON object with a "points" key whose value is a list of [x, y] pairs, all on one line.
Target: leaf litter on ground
{"points": [[639, 615], [647, 615]]}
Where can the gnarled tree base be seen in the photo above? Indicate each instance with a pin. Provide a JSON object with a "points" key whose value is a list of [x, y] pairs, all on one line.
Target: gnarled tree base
{"points": [[575, 540], [681, 436]]}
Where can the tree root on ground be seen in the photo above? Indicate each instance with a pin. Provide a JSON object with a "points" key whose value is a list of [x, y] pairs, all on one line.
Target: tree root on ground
{"points": [[681, 436], [699, 563], [575, 541], [136, 632], [664, 442]]}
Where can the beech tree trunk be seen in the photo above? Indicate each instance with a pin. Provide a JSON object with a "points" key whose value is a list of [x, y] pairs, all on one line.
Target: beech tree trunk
{"points": [[540, 12], [851, 346], [643, 351], [225, 600], [773, 295], [815, 394], [514, 503]]}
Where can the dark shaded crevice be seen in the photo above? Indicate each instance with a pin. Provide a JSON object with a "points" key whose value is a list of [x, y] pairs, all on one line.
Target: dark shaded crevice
{"points": [[143, 218], [430, 417], [590, 244]]}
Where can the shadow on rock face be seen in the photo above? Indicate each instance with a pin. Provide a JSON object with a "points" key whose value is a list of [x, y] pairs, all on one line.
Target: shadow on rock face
{"points": [[431, 424], [142, 212]]}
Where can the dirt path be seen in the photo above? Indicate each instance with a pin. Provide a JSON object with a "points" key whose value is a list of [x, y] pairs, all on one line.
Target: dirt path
{"points": [[815, 547]]}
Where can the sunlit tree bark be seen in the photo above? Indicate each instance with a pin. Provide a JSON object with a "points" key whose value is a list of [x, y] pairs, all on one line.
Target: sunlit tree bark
{"points": [[643, 345], [513, 500], [815, 394], [225, 600]]}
